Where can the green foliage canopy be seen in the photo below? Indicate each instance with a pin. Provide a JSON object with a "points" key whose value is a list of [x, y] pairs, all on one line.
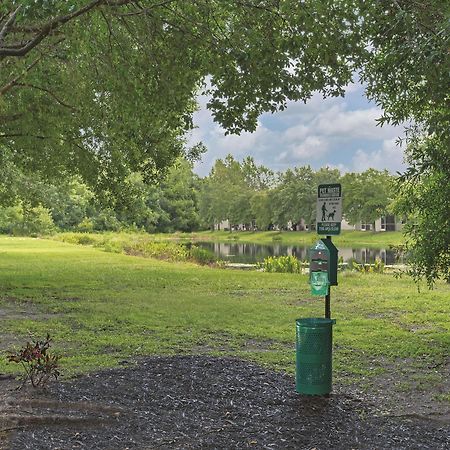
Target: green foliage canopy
{"points": [[424, 199], [226, 193], [104, 88], [107, 87], [366, 195]]}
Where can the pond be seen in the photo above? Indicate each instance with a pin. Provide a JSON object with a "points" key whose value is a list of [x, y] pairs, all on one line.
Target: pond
{"points": [[238, 252]]}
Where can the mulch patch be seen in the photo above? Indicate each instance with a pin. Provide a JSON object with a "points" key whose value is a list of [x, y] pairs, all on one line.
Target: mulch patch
{"points": [[185, 402]]}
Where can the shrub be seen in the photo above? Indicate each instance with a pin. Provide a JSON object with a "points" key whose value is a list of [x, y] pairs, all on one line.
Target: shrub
{"points": [[26, 221], [376, 267], [285, 264], [10, 218], [106, 220], [85, 240], [85, 226], [201, 255], [161, 250], [38, 363], [113, 247], [77, 238], [140, 245]]}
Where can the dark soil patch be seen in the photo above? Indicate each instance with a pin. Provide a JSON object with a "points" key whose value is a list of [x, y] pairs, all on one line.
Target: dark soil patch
{"points": [[411, 386], [13, 309], [202, 402]]}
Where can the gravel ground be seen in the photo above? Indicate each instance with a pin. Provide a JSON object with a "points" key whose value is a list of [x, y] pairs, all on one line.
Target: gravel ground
{"points": [[188, 402]]}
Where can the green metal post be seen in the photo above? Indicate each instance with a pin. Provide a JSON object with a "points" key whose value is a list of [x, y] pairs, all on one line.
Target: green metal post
{"points": [[327, 299], [327, 305]]}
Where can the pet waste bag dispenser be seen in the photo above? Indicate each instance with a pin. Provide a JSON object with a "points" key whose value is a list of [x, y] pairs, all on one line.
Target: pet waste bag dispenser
{"points": [[322, 267]]}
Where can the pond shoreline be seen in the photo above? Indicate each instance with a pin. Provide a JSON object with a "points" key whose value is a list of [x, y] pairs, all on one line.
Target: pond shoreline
{"points": [[237, 252], [387, 268], [366, 239]]}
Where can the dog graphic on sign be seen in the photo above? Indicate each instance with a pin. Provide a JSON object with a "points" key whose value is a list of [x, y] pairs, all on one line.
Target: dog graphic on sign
{"points": [[331, 215]]}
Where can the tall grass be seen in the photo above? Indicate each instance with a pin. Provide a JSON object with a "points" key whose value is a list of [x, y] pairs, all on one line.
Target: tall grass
{"points": [[139, 244]]}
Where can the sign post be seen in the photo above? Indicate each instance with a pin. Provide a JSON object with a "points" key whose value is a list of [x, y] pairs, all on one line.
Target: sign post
{"points": [[328, 219], [315, 335]]}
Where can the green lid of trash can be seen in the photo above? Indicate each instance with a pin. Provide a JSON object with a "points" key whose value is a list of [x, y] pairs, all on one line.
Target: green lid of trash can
{"points": [[315, 322]]}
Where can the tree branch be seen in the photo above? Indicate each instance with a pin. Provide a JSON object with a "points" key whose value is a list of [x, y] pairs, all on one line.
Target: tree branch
{"points": [[147, 10], [8, 23], [11, 117], [13, 135], [14, 81], [52, 94], [53, 24]]}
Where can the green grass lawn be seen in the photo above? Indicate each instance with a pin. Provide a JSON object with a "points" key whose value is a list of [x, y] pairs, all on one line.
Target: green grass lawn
{"points": [[345, 239], [102, 308]]}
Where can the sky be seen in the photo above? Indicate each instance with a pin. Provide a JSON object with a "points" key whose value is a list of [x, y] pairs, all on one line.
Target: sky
{"points": [[336, 132]]}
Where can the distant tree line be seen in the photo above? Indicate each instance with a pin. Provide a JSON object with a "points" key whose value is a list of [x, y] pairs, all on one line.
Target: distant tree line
{"points": [[32, 206], [244, 193], [241, 192]]}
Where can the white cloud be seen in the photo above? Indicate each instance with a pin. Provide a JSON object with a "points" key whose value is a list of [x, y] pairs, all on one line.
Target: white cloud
{"points": [[341, 167], [305, 112], [320, 132], [354, 87], [356, 124], [389, 156], [219, 145], [296, 133], [313, 147]]}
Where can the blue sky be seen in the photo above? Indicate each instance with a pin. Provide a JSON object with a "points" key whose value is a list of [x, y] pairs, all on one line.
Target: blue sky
{"points": [[335, 132]]}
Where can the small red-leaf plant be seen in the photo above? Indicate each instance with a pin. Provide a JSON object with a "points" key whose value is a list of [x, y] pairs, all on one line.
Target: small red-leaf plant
{"points": [[38, 363]]}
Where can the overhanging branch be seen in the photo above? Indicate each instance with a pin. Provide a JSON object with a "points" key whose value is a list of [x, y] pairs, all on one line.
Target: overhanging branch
{"points": [[50, 26], [8, 24], [15, 80], [49, 92]]}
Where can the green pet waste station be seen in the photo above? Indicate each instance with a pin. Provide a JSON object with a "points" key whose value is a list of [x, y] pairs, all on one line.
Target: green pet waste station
{"points": [[314, 336]]}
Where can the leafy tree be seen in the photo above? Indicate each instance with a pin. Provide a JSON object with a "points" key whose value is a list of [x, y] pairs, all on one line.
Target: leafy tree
{"points": [[26, 220], [283, 199], [207, 213], [117, 122], [70, 203], [137, 67], [179, 199], [261, 209], [296, 195], [138, 204], [366, 195], [225, 194], [424, 199], [105, 88], [106, 220], [215, 198], [406, 73], [258, 178], [10, 218]]}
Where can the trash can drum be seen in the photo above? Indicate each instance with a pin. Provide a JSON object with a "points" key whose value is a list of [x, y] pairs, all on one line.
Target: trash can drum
{"points": [[313, 355]]}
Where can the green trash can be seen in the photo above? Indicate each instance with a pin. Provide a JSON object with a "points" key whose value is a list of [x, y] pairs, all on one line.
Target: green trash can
{"points": [[313, 355]]}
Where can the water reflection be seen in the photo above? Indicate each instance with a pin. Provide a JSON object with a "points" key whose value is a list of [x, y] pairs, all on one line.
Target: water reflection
{"points": [[252, 253]]}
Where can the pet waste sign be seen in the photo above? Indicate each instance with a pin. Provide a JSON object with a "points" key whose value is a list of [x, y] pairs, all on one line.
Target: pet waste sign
{"points": [[329, 209]]}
